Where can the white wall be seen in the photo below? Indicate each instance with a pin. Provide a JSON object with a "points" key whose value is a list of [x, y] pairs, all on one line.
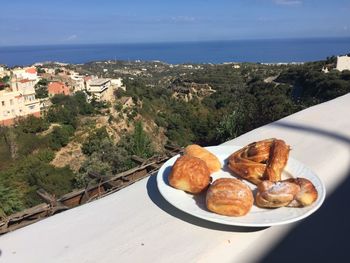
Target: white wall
{"points": [[343, 63]]}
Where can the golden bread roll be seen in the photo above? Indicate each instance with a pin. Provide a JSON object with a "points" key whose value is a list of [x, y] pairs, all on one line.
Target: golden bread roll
{"points": [[298, 192], [210, 159], [260, 161], [189, 174], [230, 197]]}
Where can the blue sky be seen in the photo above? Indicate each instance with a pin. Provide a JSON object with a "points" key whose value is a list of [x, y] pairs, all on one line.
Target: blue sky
{"points": [[106, 21]]}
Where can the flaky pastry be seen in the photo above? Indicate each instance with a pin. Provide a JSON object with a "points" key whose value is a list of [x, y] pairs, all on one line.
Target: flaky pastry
{"points": [[210, 159], [293, 192], [230, 197], [189, 174], [259, 161]]}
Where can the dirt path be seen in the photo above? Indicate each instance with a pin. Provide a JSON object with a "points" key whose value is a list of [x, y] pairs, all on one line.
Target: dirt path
{"points": [[270, 79], [70, 155]]}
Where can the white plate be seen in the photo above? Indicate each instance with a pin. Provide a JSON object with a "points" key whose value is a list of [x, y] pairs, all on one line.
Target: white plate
{"points": [[257, 217]]}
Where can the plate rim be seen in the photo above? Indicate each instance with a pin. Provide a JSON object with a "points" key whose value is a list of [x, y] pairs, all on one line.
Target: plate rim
{"points": [[220, 219]]}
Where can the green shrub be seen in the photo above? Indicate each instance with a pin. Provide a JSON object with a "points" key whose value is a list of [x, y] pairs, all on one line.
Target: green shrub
{"points": [[10, 201], [59, 136], [118, 106], [92, 144], [32, 124]]}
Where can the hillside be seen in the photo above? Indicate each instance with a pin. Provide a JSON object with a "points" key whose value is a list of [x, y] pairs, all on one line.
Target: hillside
{"points": [[162, 104]]}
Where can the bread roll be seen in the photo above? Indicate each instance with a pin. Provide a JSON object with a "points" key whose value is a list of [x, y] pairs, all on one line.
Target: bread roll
{"points": [[189, 174], [210, 159], [230, 197]]}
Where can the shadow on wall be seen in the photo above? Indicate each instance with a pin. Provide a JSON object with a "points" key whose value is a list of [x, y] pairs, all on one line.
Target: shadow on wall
{"points": [[323, 237], [334, 135]]}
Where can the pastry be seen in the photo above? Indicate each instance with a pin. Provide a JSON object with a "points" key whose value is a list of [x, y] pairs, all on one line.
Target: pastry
{"points": [[230, 197], [259, 161], [210, 159], [307, 194], [298, 192], [189, 174], [276, 194]]}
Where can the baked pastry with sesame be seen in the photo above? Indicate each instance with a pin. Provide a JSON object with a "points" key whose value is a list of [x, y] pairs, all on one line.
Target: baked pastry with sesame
{"points": [[230, 197], [260, 161], [189, 174]]}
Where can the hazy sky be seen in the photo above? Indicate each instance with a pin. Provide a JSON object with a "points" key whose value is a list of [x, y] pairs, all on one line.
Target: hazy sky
{"points": [[107, 21]]}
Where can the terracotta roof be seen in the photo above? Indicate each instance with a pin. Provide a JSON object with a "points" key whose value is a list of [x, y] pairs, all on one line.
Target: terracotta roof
{"points": [[31, 70], [25, 80], [58, 87]]}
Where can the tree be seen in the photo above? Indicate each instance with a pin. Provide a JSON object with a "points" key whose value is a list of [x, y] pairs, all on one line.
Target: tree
{"points": [[40, 70], [41, 89], [10, 138], [81, 103], [230, 126], [65, 109], [93, 142], [20, 181], [59, 137], [104, 157], [140, 142], [5, 79], [61, 114], [10, 201], [57, 71], [32, 124]]}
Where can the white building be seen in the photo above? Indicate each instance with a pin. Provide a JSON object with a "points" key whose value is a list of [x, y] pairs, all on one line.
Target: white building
{"points": [[343, 63], [117, 82], [18, 103], [4, 72], [325, 70], [78, 81], [97, 88], [19, 99], [26, 73], [22, 84], [50, 71]]}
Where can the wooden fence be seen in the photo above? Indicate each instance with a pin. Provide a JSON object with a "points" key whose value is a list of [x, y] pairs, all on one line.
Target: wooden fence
{"points": [[97, 188]]}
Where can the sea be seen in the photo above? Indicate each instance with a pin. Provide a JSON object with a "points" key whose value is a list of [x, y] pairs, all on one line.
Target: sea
{"points": [[259, 51]]}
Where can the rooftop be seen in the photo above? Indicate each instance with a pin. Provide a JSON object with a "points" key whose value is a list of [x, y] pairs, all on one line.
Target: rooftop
{"points": [[25, 80], [31, 70], [136, 224], [98, 82]]}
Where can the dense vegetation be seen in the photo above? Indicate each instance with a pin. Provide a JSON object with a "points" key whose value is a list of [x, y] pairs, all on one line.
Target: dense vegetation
{"points": [[243, 100], [106, 157], [172, 98], [27, 149]]}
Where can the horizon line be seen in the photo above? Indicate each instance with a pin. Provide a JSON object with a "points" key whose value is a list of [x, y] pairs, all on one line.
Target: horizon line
{"points": [[181, 41]]}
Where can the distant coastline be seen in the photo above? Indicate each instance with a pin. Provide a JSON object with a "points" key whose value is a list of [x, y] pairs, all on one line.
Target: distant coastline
{"points": [[253, 50]]}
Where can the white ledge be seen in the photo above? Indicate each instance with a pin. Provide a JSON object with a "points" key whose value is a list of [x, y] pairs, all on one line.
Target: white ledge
{"points": [[137, 225]]}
